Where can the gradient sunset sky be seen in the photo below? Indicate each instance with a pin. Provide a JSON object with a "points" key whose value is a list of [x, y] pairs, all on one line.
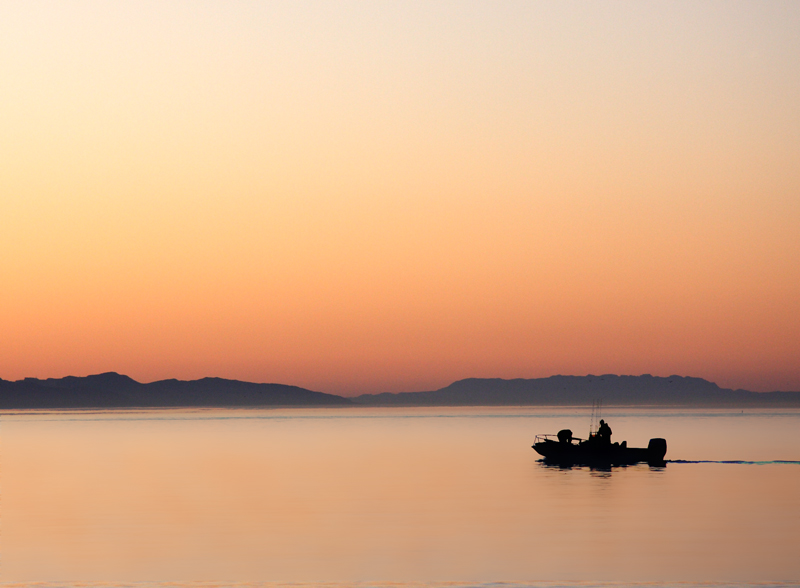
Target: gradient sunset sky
{"points": [[389, 196]]}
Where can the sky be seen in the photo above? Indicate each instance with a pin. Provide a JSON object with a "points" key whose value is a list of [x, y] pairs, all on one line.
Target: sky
{"points": [[390, 196]]}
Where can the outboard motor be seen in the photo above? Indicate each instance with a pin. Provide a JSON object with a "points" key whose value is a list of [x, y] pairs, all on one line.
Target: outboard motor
{"points": [[565, 436], [656, 450]]}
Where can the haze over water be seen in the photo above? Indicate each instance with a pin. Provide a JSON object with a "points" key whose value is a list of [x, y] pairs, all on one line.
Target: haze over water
{"points": [[392, 495]]}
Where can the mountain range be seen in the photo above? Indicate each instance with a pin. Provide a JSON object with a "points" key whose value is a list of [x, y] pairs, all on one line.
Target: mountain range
{"points": [[112, 390], [615, 390]]}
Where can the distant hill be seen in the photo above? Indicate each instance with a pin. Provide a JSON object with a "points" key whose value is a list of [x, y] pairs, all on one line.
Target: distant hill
{"points": [[643, 390], [112, 390]]}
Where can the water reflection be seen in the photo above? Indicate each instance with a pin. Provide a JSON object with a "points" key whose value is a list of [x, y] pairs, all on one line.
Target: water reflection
{"points": [[608, 469]]}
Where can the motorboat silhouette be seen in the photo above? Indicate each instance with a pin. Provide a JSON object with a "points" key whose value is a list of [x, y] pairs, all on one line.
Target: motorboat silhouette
{"points": [[564, 449]]}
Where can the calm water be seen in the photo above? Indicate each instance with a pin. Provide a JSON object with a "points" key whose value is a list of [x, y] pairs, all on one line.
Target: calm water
{"points": [[373, 497]]}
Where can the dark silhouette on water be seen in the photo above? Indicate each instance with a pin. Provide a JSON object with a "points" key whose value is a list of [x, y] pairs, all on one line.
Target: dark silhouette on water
{"points": [[564, 436], [597, 450], [604, 433]]}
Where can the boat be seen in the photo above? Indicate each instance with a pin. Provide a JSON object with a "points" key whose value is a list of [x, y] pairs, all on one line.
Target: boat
{"points": [[564, 449]]}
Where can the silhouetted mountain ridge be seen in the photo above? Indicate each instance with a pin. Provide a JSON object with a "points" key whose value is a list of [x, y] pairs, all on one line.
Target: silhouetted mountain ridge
{"points": [[112, 390], [645, 390]]}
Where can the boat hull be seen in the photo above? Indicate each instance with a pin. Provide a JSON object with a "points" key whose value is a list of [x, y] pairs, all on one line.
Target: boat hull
{"points": [[588, 453]]}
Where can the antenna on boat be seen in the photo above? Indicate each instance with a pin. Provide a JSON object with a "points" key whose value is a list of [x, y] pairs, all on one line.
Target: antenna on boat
{"points": [[599, 412], [597, 405]]}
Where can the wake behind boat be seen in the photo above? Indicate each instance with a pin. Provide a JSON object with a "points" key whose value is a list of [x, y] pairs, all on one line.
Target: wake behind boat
{"points": [[597, 450]]}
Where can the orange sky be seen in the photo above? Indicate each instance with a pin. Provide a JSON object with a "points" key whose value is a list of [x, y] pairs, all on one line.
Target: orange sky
{"points": [[360, 197]]}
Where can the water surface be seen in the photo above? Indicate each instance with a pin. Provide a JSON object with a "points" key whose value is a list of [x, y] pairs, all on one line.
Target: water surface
{"points": [[409, 496]]}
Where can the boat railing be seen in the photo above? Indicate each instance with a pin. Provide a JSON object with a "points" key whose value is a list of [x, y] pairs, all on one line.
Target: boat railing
{"points": [[554, 438]]}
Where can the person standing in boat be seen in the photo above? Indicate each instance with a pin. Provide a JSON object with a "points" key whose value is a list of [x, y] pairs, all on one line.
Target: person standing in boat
{"points": [[604, 433]]}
